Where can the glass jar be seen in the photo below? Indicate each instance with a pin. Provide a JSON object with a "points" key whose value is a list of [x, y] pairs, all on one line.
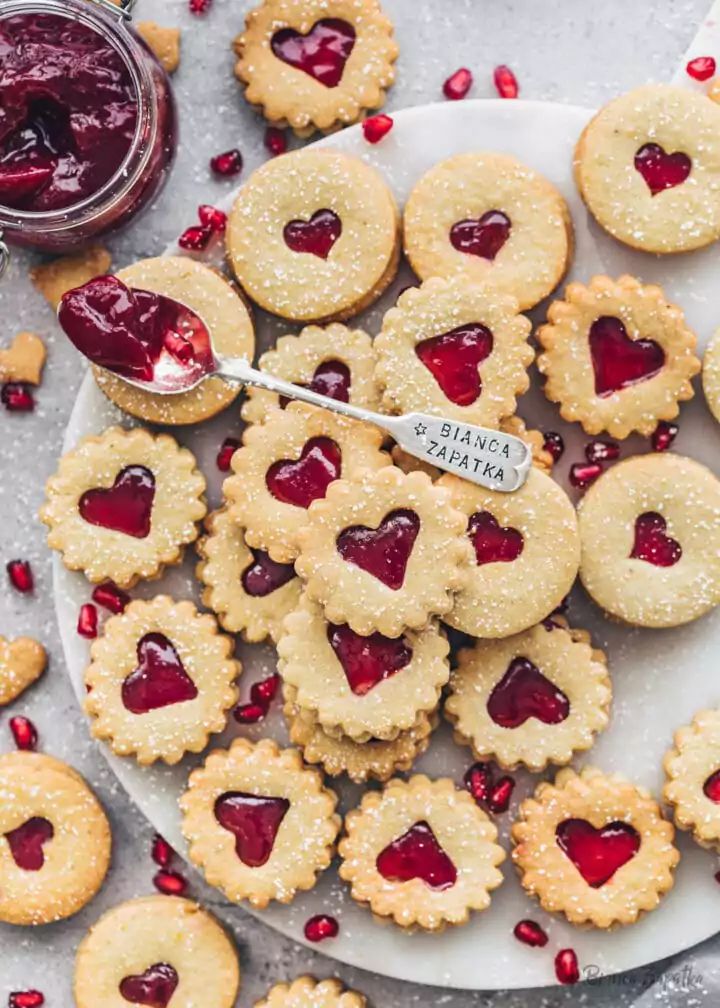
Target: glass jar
{"points": [[150, 148]]}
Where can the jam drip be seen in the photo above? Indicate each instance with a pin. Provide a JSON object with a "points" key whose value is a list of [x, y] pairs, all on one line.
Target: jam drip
{"points": [[711, 787], [160, 678], [383, 552], [597, 853], [481, 236], [524, 692], [493, 543], [153, 988], [453, 359], [300, 483], [652, 543], [254, 821], [265, 575], [126, 506], [136, 333], [68, 112], [619, 361], [661, 170], [26, 843], [417, 854], [322, 53], [315, 236], [367, 661]]}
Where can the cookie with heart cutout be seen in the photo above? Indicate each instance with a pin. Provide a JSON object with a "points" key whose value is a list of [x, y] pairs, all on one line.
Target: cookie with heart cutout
{"points": [[316, 64], [617, 356], [22, 662], [307, 992], [490, 218], [421, 853], [313, 236], [650, 540], [384, 553], [54, 840], [711, 375], [123, 505], [335, 361], [647, 166], [692, 778], [525, 554], [259, 824], [454, 348], [161, 680], [594, 847], [535, 698], [158, 951]]}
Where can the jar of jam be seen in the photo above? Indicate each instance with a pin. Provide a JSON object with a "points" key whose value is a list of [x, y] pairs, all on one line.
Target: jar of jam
{"points": [[87, 122]]}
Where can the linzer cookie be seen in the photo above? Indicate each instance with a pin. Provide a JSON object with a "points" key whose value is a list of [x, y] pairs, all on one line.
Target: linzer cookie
{"points": [[489, 218], [314, 236], [648, 167], [711, 376], [692, 778], [306, 992], [618, 357], [316, 64]]}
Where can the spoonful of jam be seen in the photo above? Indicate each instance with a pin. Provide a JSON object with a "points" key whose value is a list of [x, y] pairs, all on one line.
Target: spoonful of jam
{"points": [[161, 346]]}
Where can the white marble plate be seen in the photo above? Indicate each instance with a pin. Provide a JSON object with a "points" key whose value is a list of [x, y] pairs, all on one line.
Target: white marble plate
{"points": [[660, 677]]}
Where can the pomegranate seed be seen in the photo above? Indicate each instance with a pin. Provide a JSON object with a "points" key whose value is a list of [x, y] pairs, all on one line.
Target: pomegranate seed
{"points": [[161, 851], [602, 451], [499, 797], [87, 621], [663, 436], [505, 82], [21, 575], [701, 68], [376, 127], [195, 239], [263, 692], [319, 928], [26, 999], [249, 713], [110, 597], [212, 218], [17, 398], [566, 967], [530, 933], [229, 163], [583, 474], [24, 732], [199, 6], [458, 84], [170, 883], [554, 444], [275, 140], [227, 449], [478, 780]]}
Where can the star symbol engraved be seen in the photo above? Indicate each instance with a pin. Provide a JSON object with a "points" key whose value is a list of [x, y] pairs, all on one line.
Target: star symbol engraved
{"points": [[421, 430]]}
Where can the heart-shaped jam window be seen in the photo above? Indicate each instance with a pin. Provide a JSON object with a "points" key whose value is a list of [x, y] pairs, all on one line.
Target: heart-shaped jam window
{"points": [[493, 543], [126, 506], [160, 678], [652, 543], [417, 854], [367, 661], [597, 853], [26, 843], [711, 787], [453, 359], [383, 552], [331, 378], [153, 988], [524, 692], [254, 821], [315, 236], [301, 482], [322, 53], [661, 170], [481, 236], [619, 361], [264, 575]]}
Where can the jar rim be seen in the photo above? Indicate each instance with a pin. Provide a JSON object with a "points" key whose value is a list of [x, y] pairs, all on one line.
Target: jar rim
{"points": [[116, 32]]}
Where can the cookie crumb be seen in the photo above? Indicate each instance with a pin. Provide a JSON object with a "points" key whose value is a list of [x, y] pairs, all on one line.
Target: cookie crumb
{"points": [[23, 360], [164, 42]]}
